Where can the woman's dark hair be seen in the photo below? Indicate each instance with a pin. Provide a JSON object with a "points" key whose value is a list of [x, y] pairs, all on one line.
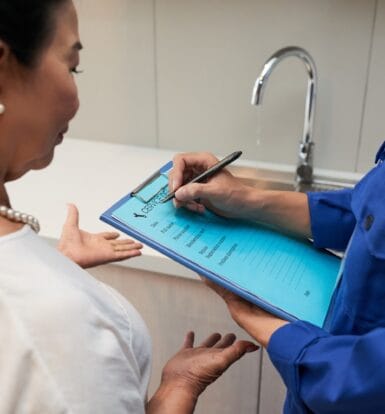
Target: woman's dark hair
{"points": [[26, 26]]}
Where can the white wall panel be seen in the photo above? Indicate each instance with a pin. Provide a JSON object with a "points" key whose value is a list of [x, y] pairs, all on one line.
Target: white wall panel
{"points": [[179, 74], [373, 131], [117, 88], [209, 54]]}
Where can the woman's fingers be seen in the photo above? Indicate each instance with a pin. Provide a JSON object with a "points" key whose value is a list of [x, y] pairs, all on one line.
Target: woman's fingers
{"points": [[126, 254], [126, 249], [123, 247], [110, 235], [124, 241], [237, 350], [189, 340], [72, 219], [211, 340], [226, 341]]}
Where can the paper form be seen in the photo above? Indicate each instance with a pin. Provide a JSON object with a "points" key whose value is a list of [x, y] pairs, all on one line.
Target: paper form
{"points": [[287, 273]]}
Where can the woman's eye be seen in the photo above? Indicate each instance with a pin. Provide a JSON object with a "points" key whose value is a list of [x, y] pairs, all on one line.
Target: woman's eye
{"points": [[76, 71]]}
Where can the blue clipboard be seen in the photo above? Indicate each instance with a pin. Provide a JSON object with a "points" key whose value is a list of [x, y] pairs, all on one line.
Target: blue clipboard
{"points": [[283, 275]]}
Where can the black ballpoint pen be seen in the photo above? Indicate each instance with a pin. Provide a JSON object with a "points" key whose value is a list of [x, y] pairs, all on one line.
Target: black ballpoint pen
{"points": [[208, 173]]}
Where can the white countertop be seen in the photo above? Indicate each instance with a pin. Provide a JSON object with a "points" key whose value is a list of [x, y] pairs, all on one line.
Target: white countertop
{"points": [[93, 175]]}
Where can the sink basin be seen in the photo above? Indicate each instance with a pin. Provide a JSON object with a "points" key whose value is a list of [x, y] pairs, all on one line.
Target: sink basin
{"points": [[285, 181]]}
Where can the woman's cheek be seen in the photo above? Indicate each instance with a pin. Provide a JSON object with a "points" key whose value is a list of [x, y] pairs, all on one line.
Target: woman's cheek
{"points": [[73, 101], [69, 99]]}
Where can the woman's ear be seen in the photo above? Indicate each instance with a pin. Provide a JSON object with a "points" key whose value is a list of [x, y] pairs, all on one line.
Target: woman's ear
{"points": [[8, 69], [4, 53], [5, 62], [4, 65]]}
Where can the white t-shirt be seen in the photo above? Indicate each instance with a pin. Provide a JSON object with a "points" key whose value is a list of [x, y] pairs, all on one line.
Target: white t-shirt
{"points": [[68, 343]]}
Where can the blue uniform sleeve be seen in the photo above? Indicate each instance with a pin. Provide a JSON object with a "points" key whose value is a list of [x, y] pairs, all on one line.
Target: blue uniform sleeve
{"points": [[331, 218], [330, 374]]}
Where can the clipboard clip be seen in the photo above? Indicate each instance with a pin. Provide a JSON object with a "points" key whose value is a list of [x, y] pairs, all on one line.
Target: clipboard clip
{"points": [[151, 188]]}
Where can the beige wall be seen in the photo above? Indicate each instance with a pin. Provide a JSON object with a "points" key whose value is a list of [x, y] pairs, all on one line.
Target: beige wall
{"points": [[178, 74]]}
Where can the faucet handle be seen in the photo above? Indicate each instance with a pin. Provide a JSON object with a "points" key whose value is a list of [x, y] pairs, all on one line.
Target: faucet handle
{"points": [[304, 171]]}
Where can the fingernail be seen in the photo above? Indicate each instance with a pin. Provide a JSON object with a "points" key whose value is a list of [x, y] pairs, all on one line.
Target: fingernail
{"points": [[252, 348], [174, 185]]}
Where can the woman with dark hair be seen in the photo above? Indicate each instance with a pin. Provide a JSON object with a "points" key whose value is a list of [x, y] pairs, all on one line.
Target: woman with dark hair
{"points": [[67, 342]]}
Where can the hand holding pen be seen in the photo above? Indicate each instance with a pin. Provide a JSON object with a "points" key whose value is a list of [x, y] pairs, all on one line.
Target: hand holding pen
{"points": [[214, 169], [221, 193]]}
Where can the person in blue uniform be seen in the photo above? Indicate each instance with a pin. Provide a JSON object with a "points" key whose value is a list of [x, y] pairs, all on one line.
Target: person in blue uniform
{"points": [[337, 369]]}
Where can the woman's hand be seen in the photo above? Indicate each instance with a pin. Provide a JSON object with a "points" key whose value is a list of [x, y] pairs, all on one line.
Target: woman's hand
{"points": [[192, 369], [223, 193], [257, 322], [88, 249], [197, 367]]}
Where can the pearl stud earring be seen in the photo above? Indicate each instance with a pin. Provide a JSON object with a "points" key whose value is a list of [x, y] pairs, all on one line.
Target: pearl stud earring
{"points": [[2, 108]]}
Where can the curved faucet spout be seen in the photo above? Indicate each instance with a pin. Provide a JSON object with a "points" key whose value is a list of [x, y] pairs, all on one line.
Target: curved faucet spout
{"points": [[305, 167]]}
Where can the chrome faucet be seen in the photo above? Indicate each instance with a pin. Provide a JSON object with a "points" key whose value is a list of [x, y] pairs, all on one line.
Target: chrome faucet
{"points": [[304, 171]]}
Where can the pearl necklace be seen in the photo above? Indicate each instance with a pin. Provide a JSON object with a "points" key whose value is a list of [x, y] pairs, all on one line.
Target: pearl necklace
{"points": [[18, 217]]}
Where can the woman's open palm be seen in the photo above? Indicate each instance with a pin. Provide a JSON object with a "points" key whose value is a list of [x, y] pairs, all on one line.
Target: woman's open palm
{"points": [[92, 249]]}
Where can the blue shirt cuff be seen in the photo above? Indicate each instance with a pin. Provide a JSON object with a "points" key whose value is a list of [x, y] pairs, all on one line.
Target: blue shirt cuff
{"points": [[331, 218], [285, 348]]}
